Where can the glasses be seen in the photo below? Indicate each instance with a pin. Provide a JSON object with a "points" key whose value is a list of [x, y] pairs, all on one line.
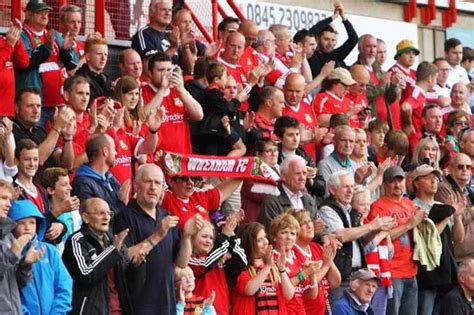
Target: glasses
{"points": [[463, 167], [461, 123], [271, 151]]}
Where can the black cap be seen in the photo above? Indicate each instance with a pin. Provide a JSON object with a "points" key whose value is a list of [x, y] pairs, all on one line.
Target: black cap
{"points": [[37, 5]]}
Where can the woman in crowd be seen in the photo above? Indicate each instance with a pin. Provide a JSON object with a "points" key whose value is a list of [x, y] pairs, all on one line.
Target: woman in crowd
{"points": [[214, 256], [264, 285], [426, 152], [456, 121], [127, 93], [284, 230], [328, 276], [267, 150]]}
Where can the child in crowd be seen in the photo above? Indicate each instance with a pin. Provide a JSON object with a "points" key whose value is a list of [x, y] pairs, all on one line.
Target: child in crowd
{"points": [[188, 302], [50, 291], [215, 255], [264, 286]]}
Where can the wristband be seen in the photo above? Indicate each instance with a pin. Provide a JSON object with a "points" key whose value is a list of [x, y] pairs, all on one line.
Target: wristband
{"points": [[314, 285], [150, 242], [57, 130], [152, 131], [67, 140], [282, 271], [300, 276]]}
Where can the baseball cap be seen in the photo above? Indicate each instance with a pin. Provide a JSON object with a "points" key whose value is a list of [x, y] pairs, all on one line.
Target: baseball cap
{"points": [[405, 46], [364, 274], [37, 5], [424, 170], [392, 172], [343, 75]]}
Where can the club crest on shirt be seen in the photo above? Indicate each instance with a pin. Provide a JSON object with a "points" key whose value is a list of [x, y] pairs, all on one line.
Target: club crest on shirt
{"points": [[177, 101], [200, 208], [123, 145]]}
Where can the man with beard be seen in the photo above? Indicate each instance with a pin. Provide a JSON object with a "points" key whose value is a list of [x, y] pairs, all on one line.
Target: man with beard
{"points": [[403, 267], [94, 179]]}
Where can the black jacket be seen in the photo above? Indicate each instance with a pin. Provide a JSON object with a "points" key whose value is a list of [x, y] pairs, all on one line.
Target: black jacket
{"points": [[343, 259], [100, 83], [89, 264], [318, 60]]}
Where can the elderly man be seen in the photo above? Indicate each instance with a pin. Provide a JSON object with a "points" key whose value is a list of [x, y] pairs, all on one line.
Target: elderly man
{"points": [[403, 267], [71, 19], [459, 95], [131, 64], [292, 191], [335, 212], [154, 233], [154, 35], [459, 299], [92, 256], [356, 299], [457, 185], [450, 227]]}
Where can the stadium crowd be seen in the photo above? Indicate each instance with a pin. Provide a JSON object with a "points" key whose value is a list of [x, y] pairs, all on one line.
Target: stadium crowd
{"points": [[372, 213]]}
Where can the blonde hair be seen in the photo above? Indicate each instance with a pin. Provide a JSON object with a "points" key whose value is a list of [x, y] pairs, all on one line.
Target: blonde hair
{"points": [[359, 192], [283, 221], [423, 143], [206, 224], [181, 272]]}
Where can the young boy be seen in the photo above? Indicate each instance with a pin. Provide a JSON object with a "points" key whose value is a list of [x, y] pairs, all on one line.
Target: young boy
{"points": [[189, 303], [14, 267], [50, 291], [220, 126], [376, 134]]}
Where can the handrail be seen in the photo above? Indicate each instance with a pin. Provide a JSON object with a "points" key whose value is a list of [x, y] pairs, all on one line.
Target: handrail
{"points": [[198, 23]]}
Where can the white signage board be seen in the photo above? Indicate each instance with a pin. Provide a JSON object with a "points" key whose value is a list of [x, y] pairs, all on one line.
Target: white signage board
{"points": [[265, 14]]}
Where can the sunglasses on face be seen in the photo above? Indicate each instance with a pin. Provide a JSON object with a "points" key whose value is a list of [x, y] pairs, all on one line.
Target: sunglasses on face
{"points": [[463, 167]]}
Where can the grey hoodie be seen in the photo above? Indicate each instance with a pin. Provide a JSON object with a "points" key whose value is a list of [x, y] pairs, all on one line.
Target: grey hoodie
{"points": [[12, 273]]}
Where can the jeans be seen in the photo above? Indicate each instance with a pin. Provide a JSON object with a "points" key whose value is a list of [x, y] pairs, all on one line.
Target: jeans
{"points": [[405, 297], [426, 301], [379, 300]]}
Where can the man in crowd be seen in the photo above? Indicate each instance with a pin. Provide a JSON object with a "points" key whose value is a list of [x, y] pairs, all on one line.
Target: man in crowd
{"points": [[431, 283], [335, 212], [131, 64], [412, 106], [249, 59], [71, 19], [292, 191], [154, 233], [26, 126], [402, 266], [326, 37], [306, 41], [380, 56], [459, 299], [166, 89], [453, 54], [49, 53], [457, 185], [96, 54], [405, 57], [432, 120], [154, 35], [93, 179], [442, 88], [357, 298], [230, 57], [459, 96], [97, 262]]}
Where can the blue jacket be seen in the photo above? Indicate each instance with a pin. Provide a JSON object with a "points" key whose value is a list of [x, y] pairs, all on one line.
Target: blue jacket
{"points": [[50, 291], [347, 306], [89, 183]]}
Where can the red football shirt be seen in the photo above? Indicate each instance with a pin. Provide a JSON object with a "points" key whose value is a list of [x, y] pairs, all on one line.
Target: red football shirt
{"points": [[409, 75], [174, 131], [126, 146], [294, 263], [328, 103], [249, 60], [201, 201], [305, 115], [417, 100]]}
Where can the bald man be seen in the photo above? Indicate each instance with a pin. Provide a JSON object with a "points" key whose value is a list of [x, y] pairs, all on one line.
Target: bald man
{"points": [[249, 59], [380, 87], [130, 63], [459, 94], [154, 234], [230, 57], [297, 106]]}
